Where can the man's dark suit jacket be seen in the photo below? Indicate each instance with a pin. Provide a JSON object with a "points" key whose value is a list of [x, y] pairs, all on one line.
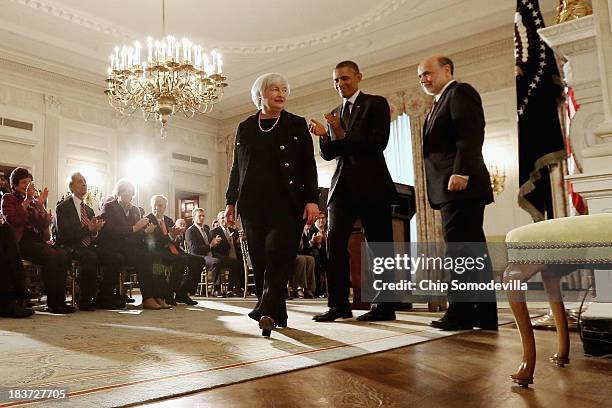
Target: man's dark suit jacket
{"points": [[117, 232], [361, 168], [70, 231], [157, 240], [453, 135], [195, 241], [224, 247], [294, 148]]}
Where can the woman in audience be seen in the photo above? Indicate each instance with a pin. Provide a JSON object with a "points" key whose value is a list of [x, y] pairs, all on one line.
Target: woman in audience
{"points": [[25, 211], [273, 184]]}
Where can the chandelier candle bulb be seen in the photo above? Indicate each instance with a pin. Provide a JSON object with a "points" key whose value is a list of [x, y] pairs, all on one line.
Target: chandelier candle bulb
{"points": [[206, 64], [130, 57], [214, 62], [137, 53], [150, 47]]}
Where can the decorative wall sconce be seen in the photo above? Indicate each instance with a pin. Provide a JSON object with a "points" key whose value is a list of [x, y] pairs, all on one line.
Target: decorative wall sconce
{"points": [[498, 178]]}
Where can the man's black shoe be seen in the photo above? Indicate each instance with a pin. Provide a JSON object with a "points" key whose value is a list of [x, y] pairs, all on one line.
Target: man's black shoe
{"points": [[171, 301], [86, 306], [184, 298], [374, 316], [486, 325], [218, 294], [129, 299], [59, 309], [15, 310], [109, 303], [450, 325], [332, 314]]}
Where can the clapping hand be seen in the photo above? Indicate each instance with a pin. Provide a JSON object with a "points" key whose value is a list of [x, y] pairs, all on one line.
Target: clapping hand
{"points": [[334, 121], [140, 224], [318, 129], [42, 198], [95, 225], [176, 231], [150, 228], [216, 240]]}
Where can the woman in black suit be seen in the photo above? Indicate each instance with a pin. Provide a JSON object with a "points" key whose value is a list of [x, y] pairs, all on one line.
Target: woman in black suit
{"points": [[273, 186]]}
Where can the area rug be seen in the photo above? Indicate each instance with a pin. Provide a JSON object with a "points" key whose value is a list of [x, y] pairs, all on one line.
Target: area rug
{"points": [[115, 358]]}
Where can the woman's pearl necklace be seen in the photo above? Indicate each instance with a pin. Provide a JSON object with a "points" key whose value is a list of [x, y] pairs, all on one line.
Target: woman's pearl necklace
{"points": [[262, 129]]}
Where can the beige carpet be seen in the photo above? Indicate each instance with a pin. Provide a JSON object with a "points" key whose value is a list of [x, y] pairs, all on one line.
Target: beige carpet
{"points": [[113, 358]]}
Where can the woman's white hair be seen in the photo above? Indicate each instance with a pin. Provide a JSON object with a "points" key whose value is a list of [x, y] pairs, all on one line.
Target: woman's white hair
{"points": [[265, 81]]}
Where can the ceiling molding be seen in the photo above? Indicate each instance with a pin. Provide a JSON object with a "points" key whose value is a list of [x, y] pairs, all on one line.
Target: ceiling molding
{"points": [[79, 18], [85, 20]]}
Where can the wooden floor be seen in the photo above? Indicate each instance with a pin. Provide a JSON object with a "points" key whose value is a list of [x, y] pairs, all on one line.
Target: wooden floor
{"points": [[467, 370]]}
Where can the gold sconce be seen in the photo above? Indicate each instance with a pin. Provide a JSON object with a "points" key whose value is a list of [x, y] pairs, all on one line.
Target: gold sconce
{"points": [[497, 156], [498, 178]]}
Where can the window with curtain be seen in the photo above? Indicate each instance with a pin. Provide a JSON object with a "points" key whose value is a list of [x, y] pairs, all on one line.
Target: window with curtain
{"points": [[398, 156], [398, 153]]}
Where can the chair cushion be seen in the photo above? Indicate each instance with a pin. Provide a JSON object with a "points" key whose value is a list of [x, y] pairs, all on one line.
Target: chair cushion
{"points": [[585, 240]]}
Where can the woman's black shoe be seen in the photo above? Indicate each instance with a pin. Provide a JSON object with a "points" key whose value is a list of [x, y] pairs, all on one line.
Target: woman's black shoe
{"points": [[266, 324], [255, 315]]}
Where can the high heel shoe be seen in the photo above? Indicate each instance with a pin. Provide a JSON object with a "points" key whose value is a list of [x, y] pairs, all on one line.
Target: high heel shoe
{"points": [[266, 324]]}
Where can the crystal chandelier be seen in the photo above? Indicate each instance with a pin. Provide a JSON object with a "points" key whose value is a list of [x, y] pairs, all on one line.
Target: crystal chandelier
{"points": [[175, 77]]}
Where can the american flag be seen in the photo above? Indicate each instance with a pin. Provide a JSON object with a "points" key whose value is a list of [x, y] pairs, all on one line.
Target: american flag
{"points": [[539, 94]]}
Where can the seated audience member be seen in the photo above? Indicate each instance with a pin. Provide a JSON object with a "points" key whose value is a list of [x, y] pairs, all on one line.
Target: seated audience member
{"points": [[12, 275], [304, 280], [4, 185], [317, 247], [228, 252], [25, 211], [200, 243], [179, 240], [162, 243], [124, 234], [77, 232]]}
